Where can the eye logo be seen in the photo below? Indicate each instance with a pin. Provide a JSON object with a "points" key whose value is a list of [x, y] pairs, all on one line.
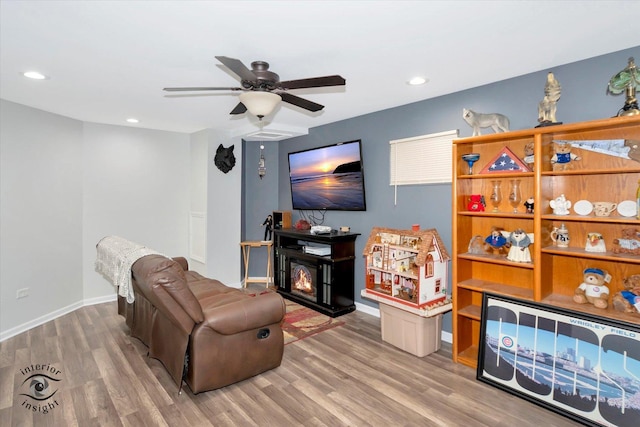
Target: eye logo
{"points": [[40, 387]]}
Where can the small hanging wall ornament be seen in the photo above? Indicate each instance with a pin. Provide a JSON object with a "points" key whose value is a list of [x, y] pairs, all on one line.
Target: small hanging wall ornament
{"points": [[224, 158], [262, 170]]}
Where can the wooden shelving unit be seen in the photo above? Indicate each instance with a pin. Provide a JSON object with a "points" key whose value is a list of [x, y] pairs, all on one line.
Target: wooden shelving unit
{"points": [[554, 273]]}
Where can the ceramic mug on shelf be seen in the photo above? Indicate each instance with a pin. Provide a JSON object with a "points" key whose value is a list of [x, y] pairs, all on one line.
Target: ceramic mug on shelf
{"points": [[560, 236], [604, 208], [595, 243]]}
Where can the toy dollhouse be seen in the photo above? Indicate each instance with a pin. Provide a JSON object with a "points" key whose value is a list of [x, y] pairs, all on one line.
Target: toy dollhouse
{"points": [[406, 267]]}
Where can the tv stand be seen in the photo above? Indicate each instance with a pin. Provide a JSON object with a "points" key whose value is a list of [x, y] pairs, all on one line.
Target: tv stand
{"points": [[316, 270]]}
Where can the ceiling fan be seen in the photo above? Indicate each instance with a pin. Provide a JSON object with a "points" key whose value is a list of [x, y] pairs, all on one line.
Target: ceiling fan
{"points": [[263, 90]]}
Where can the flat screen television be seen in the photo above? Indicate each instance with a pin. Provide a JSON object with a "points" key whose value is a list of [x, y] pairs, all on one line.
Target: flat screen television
{"points": [[328, 178]]}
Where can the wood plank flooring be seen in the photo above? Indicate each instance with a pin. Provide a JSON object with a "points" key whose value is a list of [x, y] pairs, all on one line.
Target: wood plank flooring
{"points": [[346, 376]]}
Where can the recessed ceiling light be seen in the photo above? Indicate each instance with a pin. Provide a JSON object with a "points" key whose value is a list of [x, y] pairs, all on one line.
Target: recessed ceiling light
{"points": [[35, 75], [416, 81], [132, 120]]}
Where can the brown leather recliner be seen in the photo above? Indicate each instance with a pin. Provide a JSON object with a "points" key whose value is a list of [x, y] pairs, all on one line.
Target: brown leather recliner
{"points": [[202, 331]]}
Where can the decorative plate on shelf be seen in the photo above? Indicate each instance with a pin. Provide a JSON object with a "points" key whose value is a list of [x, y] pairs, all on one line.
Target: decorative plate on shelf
{"points": [[583, 207], [627, 208]]}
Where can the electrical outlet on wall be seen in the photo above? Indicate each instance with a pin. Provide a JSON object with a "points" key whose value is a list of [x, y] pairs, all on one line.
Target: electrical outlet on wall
{"points": [[22, 293]]}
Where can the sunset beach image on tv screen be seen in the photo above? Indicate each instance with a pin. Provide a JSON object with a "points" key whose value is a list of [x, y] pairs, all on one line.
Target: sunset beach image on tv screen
{"points": [[328, 178]]}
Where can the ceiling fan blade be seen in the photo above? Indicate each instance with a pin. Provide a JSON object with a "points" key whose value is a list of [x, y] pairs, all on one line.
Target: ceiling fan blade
{"points": [[313, 82], [190, 89], [240, 108], [237, 67], [300, 102]]}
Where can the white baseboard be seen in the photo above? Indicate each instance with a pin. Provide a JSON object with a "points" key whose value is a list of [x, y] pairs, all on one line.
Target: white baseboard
{"points": [[100, 300], [368, 309], [53, 315]]}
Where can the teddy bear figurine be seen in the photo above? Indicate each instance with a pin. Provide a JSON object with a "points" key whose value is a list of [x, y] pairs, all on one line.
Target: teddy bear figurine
{"points": [[496, 242], [593, 289], [563, 156], [529, 158], [628, 300], [629, 243], [476, 203]]}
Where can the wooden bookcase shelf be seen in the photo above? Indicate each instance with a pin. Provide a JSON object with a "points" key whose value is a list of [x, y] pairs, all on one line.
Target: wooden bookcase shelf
{"points": [[554, 273]]}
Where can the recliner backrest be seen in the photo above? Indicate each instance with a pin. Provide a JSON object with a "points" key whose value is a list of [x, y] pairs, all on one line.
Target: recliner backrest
{"points": [[163, 282]]}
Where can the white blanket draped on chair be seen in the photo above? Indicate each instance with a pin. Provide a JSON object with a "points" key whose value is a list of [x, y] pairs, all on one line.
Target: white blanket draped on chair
{"points": [[114, 260]]}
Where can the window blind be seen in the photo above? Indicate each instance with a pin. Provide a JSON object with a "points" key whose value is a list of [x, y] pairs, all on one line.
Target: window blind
{"points": [[422, 159]]}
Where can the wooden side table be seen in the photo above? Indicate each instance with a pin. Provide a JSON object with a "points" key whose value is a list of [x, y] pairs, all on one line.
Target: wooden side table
{"points": [[246, 252]]}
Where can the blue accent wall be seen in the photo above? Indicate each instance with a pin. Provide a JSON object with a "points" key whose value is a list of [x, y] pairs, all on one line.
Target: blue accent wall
{"points": [[584, 97]]}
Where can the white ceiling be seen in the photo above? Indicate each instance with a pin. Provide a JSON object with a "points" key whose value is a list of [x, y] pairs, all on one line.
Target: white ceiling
{"points": [[109, 60]]}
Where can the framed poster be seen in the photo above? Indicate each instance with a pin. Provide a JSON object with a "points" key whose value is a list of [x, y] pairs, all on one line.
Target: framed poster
{"points": [[581, 366]]}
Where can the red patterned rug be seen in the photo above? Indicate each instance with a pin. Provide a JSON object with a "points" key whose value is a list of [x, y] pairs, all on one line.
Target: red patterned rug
{"points": [[301, 322]]}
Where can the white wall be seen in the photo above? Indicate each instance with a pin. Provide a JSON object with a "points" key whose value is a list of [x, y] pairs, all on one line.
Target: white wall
{"points": [[66, 184], [219, 195], [137, 186], [40, 213], [198, 186], [224, 198]]}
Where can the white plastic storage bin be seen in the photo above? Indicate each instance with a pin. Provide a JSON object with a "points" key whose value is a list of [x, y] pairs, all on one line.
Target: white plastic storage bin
{"points": [[412, 333]]}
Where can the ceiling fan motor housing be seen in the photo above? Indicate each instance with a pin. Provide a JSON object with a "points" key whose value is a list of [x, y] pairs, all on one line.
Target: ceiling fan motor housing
{"points": [[266, 79]]}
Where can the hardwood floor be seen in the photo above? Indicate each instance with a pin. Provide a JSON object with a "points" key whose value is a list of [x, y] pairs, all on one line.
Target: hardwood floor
{"points": [[346, 376]]}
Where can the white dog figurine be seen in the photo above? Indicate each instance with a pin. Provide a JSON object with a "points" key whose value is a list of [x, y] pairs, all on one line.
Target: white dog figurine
{"points": [[497, 122]]}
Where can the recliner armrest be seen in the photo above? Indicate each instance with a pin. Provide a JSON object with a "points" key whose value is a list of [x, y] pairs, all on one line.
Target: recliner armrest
{"points": [[251, 313]]}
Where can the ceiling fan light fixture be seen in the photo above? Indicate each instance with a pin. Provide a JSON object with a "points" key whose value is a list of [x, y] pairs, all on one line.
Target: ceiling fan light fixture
{"points": [[260, 103]]}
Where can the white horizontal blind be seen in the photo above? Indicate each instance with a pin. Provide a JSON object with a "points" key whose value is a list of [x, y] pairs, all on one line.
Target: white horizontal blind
{"points": [[422, 159]]}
